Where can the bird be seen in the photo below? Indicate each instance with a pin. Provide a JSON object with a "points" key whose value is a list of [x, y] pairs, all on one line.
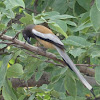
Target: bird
{"points": [[49, 40]]}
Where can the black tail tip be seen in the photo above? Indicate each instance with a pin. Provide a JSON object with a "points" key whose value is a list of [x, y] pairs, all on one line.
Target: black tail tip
{"points": [[92, 91]]}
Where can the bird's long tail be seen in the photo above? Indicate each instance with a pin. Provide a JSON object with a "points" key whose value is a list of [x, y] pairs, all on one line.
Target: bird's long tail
{"points": [[69, 62]]}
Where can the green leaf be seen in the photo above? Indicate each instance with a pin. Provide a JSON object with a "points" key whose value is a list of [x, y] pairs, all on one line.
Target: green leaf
{"points": [[82, 26], [97, 74], [55, 78], [0, 61], [60, 84], [9, 13], [78, 9], [0, 16], [84, 3], [61, 17], [5, 94], [80, 98], [85, 17], [15, 70], [2, 26], [94, 16], [95, 53], [56, 27], [62, 96], [22, 97], [15, 3], [8, 5], [70, 98], [76, 98], [95, 60], [5, 20], [31, 97], [2, 45], [77, 41], [16, 54], [98, 4], [27, 19], [38, 19], [62, 25], [11, 32], [38, 75], [98, 40], [17, 27], [12, 61], [20, 37], [71, 23], [77, 52], [51, 14], [63, 70], [3, 69], [2, 6], [80, 88], [57, 72], [30, 67], [70, 84], [9, 90], [55, 94], [60, 6]]}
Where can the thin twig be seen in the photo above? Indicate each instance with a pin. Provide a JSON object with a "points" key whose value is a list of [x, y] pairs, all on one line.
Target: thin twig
{"points": [[1, 53], [87, 65], [49, 61], [4, 31], [2, 50], [8, 43], [29, 10], [92, 2], [31, 55], [16, 35], [35, 6]]}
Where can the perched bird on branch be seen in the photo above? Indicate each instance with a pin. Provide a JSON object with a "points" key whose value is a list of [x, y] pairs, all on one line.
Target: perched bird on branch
{"points": [[47, 38]]}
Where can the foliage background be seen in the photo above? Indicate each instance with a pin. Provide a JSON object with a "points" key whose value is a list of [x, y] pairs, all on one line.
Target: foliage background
{"points": [[75, 22]]}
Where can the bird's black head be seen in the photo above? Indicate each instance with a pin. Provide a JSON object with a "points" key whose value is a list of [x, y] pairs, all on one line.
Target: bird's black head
{"points": [[27, 33]]}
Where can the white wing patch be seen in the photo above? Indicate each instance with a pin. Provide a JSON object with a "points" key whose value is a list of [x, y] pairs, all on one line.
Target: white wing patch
{"points": [[49, 36]]}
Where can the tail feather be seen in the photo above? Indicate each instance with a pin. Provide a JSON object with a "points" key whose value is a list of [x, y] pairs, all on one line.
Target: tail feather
{"points": [[73, 67], [67, 64]]}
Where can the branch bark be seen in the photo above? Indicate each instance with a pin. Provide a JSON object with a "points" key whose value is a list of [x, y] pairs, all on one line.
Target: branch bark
{"points": [[87, 71]]}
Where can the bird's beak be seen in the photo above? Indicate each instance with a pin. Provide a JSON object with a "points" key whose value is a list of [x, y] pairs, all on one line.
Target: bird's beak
{"points": [[28, 40]]}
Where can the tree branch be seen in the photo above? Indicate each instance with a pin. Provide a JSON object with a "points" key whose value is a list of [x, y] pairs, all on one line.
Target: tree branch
{"points": [[16, 82], [35, 6], [49, 55], [87, 71], [32, 48]]}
